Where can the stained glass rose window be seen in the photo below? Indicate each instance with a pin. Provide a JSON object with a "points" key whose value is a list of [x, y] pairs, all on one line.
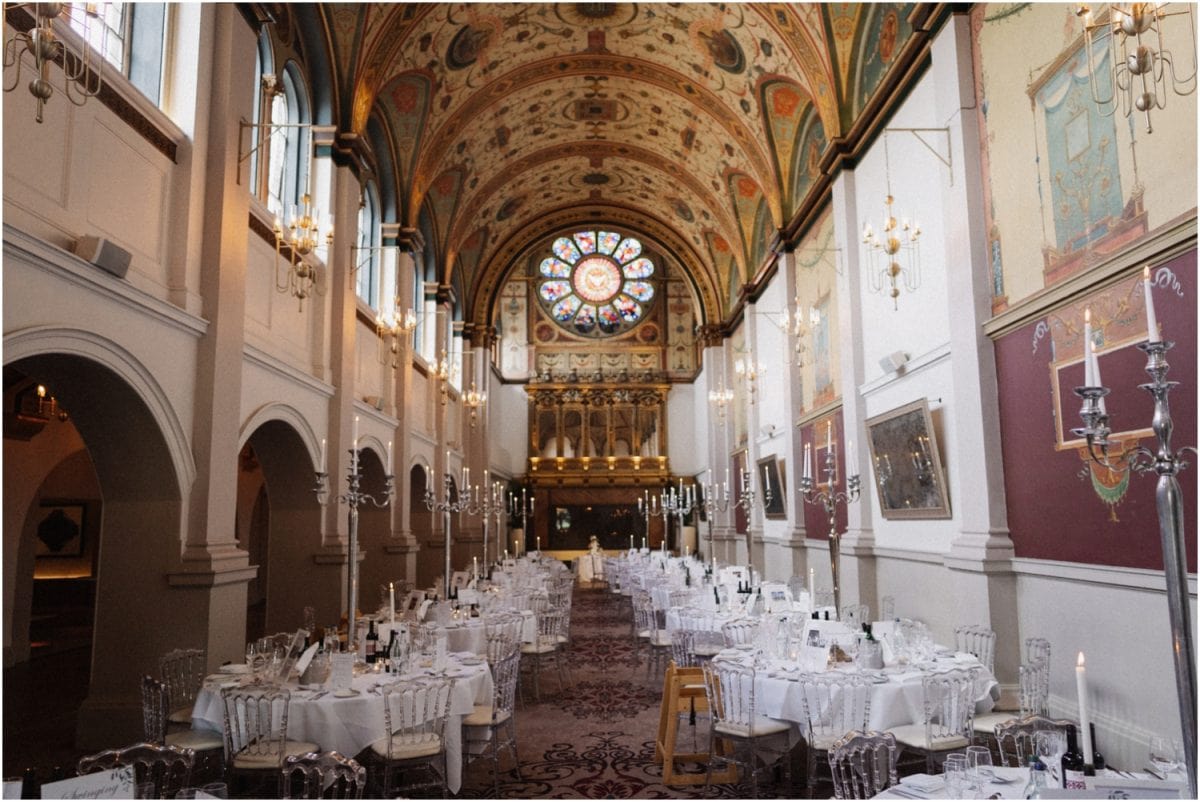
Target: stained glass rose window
{"points": [[596, 283]]}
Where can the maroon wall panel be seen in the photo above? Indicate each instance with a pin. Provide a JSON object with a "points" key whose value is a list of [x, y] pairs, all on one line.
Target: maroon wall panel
{"points": [[1059, 508], [816, 523]]}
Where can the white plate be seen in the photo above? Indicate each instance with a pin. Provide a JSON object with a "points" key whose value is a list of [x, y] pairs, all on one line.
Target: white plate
{"points": [[345, 693], [234, 668], [471, 661]]}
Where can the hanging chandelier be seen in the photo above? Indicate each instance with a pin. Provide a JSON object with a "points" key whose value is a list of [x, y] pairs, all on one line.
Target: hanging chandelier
{"points": [[1141, 69], [390, 328], [82, 72], [302, 234], [898, 238]]}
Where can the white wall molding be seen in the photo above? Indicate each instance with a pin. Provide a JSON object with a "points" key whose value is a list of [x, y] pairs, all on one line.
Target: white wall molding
{"points": [[911, 367], [68, 267], [260, 358], [1103, 575]]}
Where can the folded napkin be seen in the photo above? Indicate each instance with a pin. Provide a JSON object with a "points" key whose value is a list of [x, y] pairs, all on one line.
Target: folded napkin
{"points": [[925, 783], [889, 654]]}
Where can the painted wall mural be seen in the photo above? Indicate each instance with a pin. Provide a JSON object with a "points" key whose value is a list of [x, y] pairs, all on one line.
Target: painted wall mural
{"points": [[1108, 516], [815, 263], [1065, 187]]}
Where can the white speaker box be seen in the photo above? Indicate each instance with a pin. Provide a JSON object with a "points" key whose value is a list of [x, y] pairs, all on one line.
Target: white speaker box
{"points": [[104, 254], [893, 362]]}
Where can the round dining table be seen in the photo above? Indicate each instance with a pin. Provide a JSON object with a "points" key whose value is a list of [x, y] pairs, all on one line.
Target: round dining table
{"points": [[351, 722]]}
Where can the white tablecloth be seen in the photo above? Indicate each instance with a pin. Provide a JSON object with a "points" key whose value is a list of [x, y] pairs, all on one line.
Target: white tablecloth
{"points": [[352, 724], [895, 701]]}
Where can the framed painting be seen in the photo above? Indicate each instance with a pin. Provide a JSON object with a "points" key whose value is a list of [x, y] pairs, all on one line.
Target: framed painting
{"points": [[908, 470], [62, 529], [770, 483]]}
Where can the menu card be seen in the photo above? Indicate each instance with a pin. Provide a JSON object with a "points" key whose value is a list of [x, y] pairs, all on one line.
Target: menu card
{"points": [[114, 784]]}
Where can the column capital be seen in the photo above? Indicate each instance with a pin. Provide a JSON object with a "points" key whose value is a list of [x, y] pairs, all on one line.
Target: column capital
{"points": [[710, 335]]}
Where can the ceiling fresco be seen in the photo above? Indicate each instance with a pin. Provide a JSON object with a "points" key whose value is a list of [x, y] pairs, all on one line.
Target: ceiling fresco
{"points": [[710, 119]]}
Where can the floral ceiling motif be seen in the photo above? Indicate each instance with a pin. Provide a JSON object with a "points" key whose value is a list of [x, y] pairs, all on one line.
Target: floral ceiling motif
{"points": [[709, 118]]}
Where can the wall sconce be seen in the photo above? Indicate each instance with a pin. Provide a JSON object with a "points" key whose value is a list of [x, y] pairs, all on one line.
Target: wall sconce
{"points": [[82, 73], [441, 373], [747, 370], [1138, 58], [473, 400], [390, 328], [301, 235]]}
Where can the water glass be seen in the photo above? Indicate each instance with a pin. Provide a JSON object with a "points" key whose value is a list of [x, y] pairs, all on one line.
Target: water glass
{"points": [[1049, 746], [954, 770]]}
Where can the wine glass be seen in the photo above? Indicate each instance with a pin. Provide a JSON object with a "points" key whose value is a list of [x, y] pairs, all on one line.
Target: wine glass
{"points": [[954, 770], [979, 763], [1166, 754], [1049, 745]]}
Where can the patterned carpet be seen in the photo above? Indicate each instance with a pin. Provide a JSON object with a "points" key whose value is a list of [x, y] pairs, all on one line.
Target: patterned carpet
{"points": [[595, 738]]}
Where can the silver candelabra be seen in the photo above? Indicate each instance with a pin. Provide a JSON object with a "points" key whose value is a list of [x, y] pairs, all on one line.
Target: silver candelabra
{"points": [[353, 498], [523, 507], [649, 506], [745, 502], [829, 500], [448, 503], [679, 504], [485, 502], [1167, 464], [713, 503]]}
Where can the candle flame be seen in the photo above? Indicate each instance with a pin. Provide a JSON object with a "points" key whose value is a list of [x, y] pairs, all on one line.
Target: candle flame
{"points": [[1079, 662], [1146, 272], [1087, 315]]}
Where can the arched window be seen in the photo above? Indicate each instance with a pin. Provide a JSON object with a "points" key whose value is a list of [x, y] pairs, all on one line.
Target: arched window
{"points": [[284, 145], [596, 283], [133, 38], [367, 260]]}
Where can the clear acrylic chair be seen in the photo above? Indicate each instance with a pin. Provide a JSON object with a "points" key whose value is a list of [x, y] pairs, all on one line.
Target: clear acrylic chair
{"points": [[181, 672], [493, 726], [206, 744], [322, 775], [413, 746], [948, 704], [977, 640], [168, 767], [1032, 699], [1014, 738], [1037, 650], [863, 763], [887, 608], [546, 651], [739, 734], [834, 704], [739, 633], [256, 735], [854, 615]]}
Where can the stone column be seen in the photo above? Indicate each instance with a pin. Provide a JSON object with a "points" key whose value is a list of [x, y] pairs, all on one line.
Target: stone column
{"points": [[403, 544], [857, 578], [983, 585]]}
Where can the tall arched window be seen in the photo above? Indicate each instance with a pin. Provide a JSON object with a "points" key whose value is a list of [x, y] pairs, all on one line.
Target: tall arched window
{"points": [[367, 260], [283, 145]]}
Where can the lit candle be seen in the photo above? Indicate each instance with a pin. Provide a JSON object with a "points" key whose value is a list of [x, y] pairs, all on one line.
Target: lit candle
{"points": [[323, 454], [539, 542], [643, 541], [829, 436], [1087, 348], [811, 580], [639, 504], [808, 460], [354, 434], [1084, 717], [1151, 319], [475, 567], [1096, 378], [389, 470], [851, 459], [466, 477], [428, 478], [392, 602]]}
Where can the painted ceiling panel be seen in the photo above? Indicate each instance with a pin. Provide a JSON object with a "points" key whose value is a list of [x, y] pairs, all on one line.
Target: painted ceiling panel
{"points": [[709, 118]]}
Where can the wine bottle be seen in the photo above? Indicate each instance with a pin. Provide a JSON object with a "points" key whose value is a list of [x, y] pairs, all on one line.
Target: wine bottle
{"points": [[1072, 762], [372, 643], [1097, 758], [30, 787]]}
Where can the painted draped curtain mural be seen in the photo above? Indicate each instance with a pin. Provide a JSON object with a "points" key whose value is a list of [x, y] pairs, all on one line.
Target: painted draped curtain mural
{"points": [[817, 349], [1104, 515], [1065, 187]]}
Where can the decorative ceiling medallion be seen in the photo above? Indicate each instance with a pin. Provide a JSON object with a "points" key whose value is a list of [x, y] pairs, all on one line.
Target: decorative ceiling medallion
{"points": [[606, 15], [597, 283]]}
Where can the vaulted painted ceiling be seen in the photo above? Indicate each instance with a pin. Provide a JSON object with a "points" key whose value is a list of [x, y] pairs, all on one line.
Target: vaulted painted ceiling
{"points": [[713, 122]]}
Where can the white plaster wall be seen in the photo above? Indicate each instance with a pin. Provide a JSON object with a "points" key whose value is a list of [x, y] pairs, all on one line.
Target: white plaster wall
{"points": [[919, 323], [699, 423], [683, 433], [771, 424]]}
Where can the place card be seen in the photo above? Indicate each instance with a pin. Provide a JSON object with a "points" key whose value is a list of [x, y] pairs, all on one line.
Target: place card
{"points": [[114, 784]]}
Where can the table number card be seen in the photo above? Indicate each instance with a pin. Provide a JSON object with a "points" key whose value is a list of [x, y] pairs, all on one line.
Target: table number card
{"points": [[341, 677], [115, 784]]}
